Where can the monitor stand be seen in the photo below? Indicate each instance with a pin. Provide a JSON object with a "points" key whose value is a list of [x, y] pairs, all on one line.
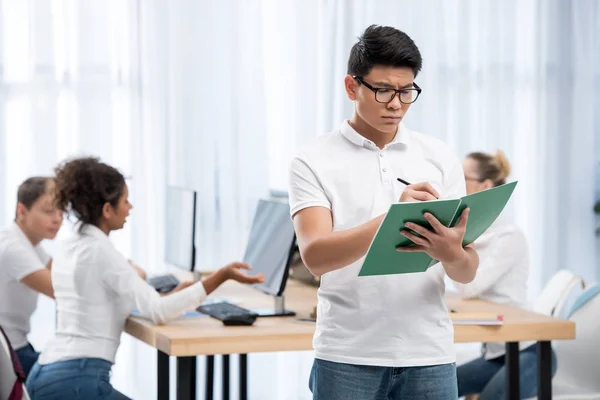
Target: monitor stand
{"points": [[277, 311]]}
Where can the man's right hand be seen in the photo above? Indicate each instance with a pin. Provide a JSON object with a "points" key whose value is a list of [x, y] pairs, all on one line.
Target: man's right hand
{"points": [[421, 191]]}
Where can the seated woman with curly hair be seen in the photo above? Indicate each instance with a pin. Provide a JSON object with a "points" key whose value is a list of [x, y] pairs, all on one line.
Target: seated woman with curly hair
{"points": [[96, 289]]}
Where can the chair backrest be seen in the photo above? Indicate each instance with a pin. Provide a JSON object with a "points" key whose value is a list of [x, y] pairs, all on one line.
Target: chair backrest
{"points": [[8, 376], [553, 298], [578, 360]]}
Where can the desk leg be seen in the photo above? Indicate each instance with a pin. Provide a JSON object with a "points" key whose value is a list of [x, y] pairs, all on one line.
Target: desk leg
{"points": [[186, 378], [210, 376], [162, 375], [512, 370], [544, 370], [243, 377], [225, 376]]}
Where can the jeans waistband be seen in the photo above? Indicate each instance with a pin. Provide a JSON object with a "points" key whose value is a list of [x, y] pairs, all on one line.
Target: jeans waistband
{"points": [[80, 364]]}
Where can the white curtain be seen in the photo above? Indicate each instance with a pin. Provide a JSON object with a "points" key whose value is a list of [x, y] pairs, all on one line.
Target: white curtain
{"points": [[218, 96], [521, 76]]}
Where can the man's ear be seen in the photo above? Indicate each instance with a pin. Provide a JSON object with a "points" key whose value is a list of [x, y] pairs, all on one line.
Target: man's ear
{"points": [[351, 85], [21, 210]]}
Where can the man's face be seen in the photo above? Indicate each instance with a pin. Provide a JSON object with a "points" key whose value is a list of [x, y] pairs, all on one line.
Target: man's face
{"points": [[43, 219], [383, 117]]}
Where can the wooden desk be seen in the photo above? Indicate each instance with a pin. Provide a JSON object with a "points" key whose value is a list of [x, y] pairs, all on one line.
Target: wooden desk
{"points": [[519, 325], [189, 337]]}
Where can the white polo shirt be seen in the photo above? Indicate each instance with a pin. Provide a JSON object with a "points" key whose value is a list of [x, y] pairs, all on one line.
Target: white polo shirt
{"points": [[393, 320], [96, 290], [502, 274], [18, 258]]}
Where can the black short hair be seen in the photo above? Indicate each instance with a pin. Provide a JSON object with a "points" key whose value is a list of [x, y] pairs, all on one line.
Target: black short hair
{"points": [[383, 45], [84, 185], [32, 189]]}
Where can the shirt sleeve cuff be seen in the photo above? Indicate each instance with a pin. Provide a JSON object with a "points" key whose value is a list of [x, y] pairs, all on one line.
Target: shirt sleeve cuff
{"points": [[306, 204]]}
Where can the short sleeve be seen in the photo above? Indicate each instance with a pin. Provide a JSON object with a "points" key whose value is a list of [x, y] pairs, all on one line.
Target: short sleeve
{"points": [[305, 189], [43, 256], [19, 261]]}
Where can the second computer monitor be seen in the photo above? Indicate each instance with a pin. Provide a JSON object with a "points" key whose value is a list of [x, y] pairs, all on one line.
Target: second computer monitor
{"points": [[269, 245], [180, 223]]}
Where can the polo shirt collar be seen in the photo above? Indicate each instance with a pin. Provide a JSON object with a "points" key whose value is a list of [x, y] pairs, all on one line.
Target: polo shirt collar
{"points": [[401, 138]]}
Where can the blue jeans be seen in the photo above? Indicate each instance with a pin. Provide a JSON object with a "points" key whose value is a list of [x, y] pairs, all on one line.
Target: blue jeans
{"points": [[27, 357], [337, 381], [80, 379], [488, 377]]}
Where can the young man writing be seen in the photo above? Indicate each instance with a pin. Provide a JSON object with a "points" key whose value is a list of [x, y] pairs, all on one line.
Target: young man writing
{"points": [[379, 337]]}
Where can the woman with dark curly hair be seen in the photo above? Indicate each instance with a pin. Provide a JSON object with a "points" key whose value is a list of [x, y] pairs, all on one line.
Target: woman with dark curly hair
{"points": [[96, 289]]}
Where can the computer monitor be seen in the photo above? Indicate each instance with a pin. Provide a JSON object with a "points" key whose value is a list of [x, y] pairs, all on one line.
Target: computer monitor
{"points": [[180, 248], [269, 251]]}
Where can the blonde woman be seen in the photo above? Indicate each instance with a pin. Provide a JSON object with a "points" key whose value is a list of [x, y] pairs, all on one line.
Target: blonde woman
{"points": [[501, 278]]}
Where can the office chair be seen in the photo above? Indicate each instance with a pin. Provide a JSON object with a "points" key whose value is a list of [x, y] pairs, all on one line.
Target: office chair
{"points": [[578, 360]]}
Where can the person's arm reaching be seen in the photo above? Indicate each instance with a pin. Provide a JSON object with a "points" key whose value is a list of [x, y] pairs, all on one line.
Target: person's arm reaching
{"points": [[121, 279], [138, 269]]}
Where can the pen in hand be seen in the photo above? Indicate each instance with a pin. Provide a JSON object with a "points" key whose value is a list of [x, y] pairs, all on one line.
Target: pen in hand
{"points": [[421, 191]]}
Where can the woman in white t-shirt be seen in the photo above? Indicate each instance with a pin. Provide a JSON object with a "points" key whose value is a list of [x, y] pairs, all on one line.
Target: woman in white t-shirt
{"points": [[501, 278], [96, 289], [24, 265]]}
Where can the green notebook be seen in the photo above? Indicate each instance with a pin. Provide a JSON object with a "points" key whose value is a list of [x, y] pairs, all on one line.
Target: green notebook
{"points": [[382, 257]]}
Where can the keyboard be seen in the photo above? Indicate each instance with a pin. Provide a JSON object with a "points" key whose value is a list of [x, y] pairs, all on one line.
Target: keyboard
{"points": [[228, 313], [163, 283]]}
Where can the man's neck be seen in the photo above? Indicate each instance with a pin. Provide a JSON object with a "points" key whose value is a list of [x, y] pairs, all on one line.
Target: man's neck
{"points": [[33, 238], [368, 132]]}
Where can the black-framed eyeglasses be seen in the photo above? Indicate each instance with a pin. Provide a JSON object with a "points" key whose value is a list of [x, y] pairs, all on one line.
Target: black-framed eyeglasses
{"points": [[385, 95]]}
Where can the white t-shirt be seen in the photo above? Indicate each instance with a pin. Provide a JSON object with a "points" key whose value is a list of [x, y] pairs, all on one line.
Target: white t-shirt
{"points": [[502, 274], [394, 320], [18, 258], [96, 290]]}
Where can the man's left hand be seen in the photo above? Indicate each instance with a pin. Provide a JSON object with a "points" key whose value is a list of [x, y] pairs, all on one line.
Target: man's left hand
{"points": [[442, 243]]}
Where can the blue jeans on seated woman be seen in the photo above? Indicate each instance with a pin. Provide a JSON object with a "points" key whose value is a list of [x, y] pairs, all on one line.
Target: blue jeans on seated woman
{"points": [[488, 377], [27, 357], [338, 381], [79, 379]]}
